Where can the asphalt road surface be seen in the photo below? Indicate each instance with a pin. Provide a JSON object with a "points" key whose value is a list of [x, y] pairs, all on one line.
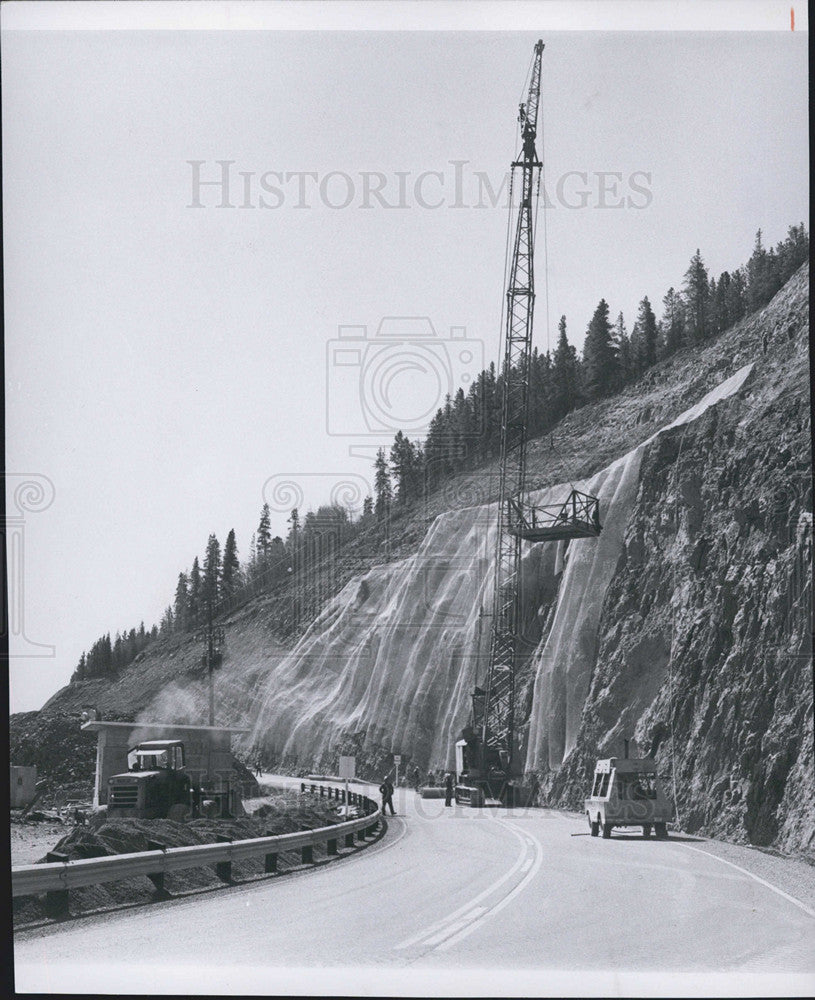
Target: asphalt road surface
{"points": [[454, 901]]}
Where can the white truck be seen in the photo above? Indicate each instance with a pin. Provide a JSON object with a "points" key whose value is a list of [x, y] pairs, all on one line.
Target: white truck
{"points": [[627, 791]]}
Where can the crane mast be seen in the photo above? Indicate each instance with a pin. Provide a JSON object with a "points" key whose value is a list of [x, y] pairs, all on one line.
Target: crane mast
{"points": [[487, 756], [496, 729]]}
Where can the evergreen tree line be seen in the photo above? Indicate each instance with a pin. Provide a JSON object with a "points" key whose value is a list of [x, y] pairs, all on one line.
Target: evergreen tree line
{"points": [[466, 431], [105, 657]]}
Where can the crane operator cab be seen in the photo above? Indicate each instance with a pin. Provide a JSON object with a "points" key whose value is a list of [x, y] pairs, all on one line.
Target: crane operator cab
{"points": [[628, 791]]}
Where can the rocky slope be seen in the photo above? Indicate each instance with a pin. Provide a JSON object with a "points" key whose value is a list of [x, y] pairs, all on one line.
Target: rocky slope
{"points": [[705, 642], [686, 625]]}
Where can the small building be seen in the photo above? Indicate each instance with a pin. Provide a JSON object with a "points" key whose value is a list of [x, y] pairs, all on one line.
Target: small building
{"points": [[23, 785], [207, 751]]}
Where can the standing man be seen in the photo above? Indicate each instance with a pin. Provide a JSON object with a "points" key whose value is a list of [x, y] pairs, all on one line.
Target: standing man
{"points": [[448, 789], [416, 778], [386, 791]]}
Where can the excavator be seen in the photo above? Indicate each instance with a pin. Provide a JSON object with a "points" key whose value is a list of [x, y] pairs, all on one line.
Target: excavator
{"points": [[489, 768]]}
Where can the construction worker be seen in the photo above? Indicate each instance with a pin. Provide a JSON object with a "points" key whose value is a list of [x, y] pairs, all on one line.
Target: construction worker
{"points": [[386, 791], [448, 789]]}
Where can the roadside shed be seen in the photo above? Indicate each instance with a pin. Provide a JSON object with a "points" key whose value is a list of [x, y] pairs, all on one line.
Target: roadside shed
{"points": [[22, 782], [207, 751]]}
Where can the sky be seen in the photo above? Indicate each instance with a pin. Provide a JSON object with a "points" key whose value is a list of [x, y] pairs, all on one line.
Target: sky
{"points": [[171, 364]]}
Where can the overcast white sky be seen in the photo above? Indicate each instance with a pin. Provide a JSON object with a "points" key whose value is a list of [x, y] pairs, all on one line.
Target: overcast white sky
{"points": [[163, 361]]}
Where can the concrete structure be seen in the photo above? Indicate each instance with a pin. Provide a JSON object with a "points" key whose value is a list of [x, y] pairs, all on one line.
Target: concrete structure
{"points": [[22, 784], [207, 751]]}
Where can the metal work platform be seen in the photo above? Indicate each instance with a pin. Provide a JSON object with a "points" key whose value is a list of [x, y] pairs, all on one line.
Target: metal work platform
{"points": [[577, 517]]}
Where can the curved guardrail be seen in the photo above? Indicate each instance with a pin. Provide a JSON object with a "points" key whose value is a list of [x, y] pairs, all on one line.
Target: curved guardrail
{"points": [[57, 877]]}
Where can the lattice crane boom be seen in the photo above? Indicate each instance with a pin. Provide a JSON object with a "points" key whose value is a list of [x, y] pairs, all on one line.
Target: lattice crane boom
{"points": [[486, 756], [497, 729]]}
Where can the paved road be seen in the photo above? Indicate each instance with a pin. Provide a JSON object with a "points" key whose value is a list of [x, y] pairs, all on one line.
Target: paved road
{"points": [[454, 901]]}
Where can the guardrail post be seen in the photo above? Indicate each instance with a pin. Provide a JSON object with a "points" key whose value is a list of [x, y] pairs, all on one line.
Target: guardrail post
{"points": [[157, 878], [360, 835], [56, 902], [349, 840], [223, 869], [302, 786], [270, 863], [307, 854], [331, 847], [313, 789], [322, 791]]}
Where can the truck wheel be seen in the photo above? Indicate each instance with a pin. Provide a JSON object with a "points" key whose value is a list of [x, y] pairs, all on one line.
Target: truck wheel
{"points": [[606, 830], [661, 830], [594, 827], [646, 830]]}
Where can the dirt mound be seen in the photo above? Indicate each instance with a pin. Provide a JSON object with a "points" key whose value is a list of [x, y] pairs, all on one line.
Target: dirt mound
{"points": [[284, 812], [64, 754]]}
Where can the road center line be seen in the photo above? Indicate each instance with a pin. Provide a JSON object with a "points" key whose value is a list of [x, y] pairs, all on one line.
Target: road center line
{"points": [[519, 888], [459, 913], [761, 881]]}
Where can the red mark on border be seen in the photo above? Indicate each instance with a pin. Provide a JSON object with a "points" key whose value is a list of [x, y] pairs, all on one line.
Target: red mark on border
{"points": [[792, 19]]}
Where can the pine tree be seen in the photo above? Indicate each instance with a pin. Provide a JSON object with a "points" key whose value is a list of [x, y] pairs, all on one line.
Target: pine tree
{"points": [[644, 337], [230, 570], [541, 394], [719, 297], [697, 298], [405, 467], [195, 609], [673, 322], [182, 603], [792, 252], [624, 352], [297, 558], [565, 374], [212, 572], [253, 557], [264, 534], [763, 275], [382, 486], [736, 298], [367, 508], [600, 361], [167, 621]]}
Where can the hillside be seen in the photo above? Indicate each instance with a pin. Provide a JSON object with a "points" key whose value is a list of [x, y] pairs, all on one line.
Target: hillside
{"points": [[687, 625]]}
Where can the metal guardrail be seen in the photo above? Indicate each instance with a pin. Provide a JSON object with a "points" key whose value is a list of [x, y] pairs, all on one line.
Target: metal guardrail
{"points": [[57, 877]]}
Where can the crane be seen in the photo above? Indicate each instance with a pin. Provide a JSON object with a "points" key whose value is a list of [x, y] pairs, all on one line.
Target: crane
{"points": [[487, 759]]}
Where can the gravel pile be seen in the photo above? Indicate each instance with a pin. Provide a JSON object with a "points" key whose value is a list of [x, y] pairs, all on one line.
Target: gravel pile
{"points": [[283, 812]]}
